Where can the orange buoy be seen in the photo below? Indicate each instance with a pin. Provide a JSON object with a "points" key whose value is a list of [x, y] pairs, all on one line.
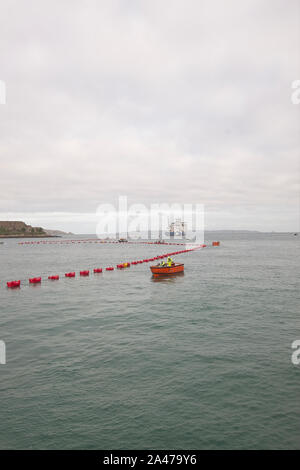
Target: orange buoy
{"points": [[84, 273], [53, 278], [13, 284], [35, 280], [98, 270], [70, 274]]}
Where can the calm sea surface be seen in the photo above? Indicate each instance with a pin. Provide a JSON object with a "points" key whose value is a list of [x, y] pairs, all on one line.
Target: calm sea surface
{"points": [[119, 361]]}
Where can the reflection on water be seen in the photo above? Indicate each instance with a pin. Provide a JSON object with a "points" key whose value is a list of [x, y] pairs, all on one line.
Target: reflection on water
{"points": [[166, 277]]}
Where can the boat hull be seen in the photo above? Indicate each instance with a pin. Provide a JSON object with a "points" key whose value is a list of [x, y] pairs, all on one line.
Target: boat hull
{"points": [[167, 270]]}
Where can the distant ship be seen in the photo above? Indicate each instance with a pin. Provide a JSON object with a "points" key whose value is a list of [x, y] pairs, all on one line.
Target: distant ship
{"points": [[177, 228]]}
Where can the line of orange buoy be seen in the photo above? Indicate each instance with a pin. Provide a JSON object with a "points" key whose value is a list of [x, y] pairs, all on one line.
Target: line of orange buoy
{"points": [[38, 280], [94, 240]]}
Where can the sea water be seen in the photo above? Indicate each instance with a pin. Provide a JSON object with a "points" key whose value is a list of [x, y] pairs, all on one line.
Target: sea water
{"points": [[122, 361]]}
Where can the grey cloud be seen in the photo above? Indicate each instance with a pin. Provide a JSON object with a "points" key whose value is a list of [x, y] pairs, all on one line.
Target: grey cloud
{"points": [[162, 101]]}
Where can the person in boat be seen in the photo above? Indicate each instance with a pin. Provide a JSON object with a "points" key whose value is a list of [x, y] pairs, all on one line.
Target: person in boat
{"points": [[162, 263], [170, 261]]}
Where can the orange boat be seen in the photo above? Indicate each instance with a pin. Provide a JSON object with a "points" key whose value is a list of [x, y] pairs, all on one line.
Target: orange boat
{"points": [[166, 270]]}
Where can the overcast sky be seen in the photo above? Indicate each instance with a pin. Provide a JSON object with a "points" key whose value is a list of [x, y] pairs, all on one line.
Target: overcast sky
{"points": [[173, 101]]}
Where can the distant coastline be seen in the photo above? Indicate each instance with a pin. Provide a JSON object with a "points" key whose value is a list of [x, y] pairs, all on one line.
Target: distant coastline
{"points": [[18, 229], [30, 236]]}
